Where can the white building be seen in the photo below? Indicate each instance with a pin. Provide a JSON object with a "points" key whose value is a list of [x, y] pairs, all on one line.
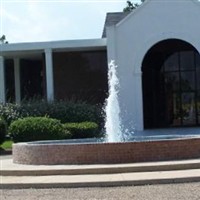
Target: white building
{"points": [[156, 48]]}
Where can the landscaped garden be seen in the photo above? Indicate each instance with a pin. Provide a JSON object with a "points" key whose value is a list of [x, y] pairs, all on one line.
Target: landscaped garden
{"points": [[40, 120]]}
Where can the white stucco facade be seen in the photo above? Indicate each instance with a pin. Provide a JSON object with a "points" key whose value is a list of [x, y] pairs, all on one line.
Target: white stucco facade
{"points": [[130, 39]]}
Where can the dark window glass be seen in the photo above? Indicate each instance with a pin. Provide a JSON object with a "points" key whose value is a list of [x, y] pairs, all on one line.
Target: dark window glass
{"points": [[198, 78], [198, 106], [81, 76], [179, 67], [197, 58], [172, 62], [187, 81], [9, 80], [187, 60], [31, 78], [172, 81], [174, 110], [188, 108]]}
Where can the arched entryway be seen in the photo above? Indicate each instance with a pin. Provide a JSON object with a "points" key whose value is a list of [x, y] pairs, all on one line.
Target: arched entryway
{"points": [[171, 85]]}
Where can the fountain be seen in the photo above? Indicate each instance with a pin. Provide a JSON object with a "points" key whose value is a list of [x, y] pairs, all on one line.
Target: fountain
{"points": [[113, 150], [113, 122]]}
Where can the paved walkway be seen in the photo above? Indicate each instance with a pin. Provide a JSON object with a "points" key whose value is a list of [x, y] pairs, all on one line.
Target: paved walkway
{"points": [[102, 180], [189, 191], [27, 176]]}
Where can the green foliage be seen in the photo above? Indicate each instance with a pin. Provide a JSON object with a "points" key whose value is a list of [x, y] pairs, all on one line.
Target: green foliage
{"points": [[83, 129], [131, 6], [3, 130], [36, 128], [61, 110], [3, 40], [9, 112], [78, 112], [6, 145]]}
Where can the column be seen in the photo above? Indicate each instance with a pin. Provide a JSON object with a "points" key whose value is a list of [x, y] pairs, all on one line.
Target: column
{"points": [[138, 101], [49, 74], [2, 81], [17, 80]]}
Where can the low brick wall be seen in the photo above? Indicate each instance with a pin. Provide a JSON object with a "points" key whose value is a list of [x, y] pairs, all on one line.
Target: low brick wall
{"points": [[106, 153]]}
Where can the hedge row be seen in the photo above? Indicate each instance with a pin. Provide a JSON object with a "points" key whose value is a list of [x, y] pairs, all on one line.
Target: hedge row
{"points": [[61, 110], [72, 114], [44, 128]]}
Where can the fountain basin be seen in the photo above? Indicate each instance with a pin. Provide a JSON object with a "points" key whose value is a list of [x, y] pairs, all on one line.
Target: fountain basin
{"points": [[97, 152]]}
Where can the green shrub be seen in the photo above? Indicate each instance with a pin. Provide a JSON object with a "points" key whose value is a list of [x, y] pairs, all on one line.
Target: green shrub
{"points": [[3, 130], [83, 129], [71, 112], [9, 112], [65, 111], [36, 128]]}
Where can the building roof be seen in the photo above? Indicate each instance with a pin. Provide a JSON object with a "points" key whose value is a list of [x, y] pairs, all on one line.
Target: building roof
{"points": [[23, 49], [113, 19]]}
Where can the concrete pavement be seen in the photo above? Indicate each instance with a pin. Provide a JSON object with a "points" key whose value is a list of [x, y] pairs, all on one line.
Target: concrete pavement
{"points": [[27, 176]]}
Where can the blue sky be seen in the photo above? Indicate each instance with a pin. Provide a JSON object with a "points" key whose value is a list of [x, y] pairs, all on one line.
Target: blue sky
{"points": [[44, 20]]}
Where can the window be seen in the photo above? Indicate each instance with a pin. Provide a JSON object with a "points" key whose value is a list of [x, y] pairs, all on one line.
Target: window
{"points": [[171, 85]]}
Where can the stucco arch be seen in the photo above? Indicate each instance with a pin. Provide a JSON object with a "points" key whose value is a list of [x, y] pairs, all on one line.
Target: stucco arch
{"points": [[146, 46], [137, 67], [170, 73]]}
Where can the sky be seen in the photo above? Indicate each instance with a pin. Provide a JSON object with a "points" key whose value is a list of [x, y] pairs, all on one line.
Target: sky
{"points": [[47, 20]]}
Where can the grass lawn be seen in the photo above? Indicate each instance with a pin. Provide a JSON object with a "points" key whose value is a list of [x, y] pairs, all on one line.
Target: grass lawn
{"points": [[7, 145]]}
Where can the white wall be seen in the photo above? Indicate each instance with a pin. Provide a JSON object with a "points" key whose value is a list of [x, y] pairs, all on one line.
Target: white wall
{"points": [[154, 21]]}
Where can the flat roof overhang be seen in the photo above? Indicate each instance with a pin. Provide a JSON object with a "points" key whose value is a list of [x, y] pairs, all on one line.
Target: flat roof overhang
{"points": [[35, 49]]}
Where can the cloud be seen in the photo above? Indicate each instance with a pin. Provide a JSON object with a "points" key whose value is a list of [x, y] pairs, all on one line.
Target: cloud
{"points": [[31, 21], [26, 21]]}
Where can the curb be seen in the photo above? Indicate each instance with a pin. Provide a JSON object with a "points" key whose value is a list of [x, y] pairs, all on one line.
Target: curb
{"points": [[129, 168], [99, 184]]}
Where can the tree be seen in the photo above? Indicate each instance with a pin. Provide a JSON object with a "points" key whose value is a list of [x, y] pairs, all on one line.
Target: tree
{"points": [[3, 40], [131, 6]]}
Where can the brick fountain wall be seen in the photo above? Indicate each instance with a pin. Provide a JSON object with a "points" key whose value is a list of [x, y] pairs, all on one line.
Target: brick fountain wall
{"points": [[106, 153]]}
